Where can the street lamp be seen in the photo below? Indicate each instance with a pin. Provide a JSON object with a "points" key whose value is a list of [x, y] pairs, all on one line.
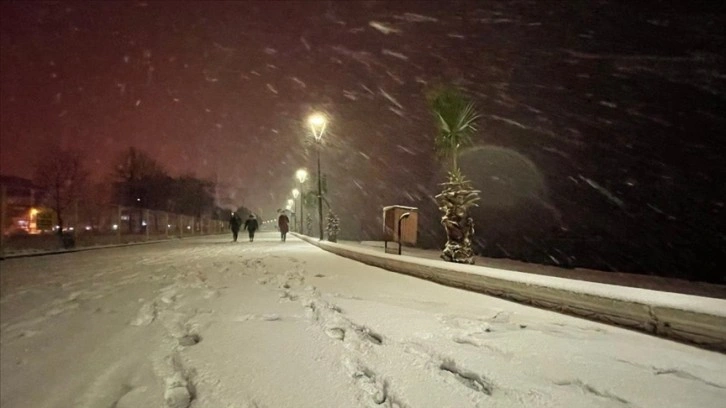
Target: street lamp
{"points": [[295, 194], [302, 176], [317, 124]]}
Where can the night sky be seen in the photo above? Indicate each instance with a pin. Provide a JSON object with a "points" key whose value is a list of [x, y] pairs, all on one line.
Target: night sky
{"points": [[603, 121]]}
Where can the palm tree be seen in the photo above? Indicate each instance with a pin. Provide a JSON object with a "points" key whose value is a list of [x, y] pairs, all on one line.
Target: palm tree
{"points": [[456, 119]]}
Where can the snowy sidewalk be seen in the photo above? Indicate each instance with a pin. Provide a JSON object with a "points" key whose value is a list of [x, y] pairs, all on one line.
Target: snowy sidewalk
{"points": [[210, 323], [695, 319]]}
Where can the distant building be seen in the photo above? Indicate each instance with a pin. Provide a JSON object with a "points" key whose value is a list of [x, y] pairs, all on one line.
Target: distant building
{"points": [[22, 213]]}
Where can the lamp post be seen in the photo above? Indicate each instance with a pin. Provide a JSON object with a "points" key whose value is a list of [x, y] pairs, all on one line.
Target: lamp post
{"points": [[302, 176], [317, 124], [295, 195], [291, 207]]}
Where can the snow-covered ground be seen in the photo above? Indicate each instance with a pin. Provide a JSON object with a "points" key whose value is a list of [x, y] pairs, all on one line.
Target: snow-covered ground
{"points": [[273, 324]]}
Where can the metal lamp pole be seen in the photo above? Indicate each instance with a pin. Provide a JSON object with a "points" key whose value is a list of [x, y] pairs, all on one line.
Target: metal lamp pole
{"points": [[320, 197], [292, 207], [302, 208], [296, 194], [318, 121], [302, 175]]}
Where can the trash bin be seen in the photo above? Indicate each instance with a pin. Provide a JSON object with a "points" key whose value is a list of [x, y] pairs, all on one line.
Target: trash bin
{"points": [[400, 224]]}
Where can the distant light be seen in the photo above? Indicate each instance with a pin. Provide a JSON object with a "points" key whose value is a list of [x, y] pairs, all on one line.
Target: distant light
{"points": [[290, 202], [114, 227], [317, 124], [301, 175], [143, 223], [188, 227], [70, 229], [138, 199], [88, 228], [168, 225], [316, 119], [295, 193], [33, 212]]}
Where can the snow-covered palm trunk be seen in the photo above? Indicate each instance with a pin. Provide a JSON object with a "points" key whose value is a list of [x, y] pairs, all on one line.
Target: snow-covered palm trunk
{"points": [[455, 202]]}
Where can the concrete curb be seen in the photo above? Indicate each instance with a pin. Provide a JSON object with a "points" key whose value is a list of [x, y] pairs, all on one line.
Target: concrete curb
{"points": [[674, 320]]}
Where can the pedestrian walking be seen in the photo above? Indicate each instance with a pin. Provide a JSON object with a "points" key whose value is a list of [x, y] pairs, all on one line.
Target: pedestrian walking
{"points": [[283, 223], [251, 226], [235, 223]]}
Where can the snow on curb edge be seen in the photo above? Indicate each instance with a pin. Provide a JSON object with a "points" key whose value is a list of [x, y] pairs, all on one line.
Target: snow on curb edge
{"points": [[678, 323]]}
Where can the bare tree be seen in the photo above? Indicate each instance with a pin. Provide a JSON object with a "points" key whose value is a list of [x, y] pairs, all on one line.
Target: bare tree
{"points": [[139, 181], [62, 176], [134, 165]]}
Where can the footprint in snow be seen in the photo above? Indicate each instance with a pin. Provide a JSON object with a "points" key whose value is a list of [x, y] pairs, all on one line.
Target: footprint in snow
{"points": [[180, 390], [146, 315]]}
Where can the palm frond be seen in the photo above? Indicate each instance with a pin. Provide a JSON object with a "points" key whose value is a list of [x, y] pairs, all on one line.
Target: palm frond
{"points": [[456, 119]]}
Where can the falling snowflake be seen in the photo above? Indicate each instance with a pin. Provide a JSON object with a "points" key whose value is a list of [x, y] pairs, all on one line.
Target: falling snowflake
{"points": [[305, 43], [367, 89], [396, 111], [384, 28], [299, 82], [390, 98], [395, 77], [416, 18], [394, 54]]}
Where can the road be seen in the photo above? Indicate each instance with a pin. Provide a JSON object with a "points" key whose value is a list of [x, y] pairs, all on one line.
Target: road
{"points": [[205, 322]]}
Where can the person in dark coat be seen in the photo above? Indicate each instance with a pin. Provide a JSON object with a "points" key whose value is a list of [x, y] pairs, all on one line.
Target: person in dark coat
{"points": [[283, 223], [235, 223], [251, 226]]}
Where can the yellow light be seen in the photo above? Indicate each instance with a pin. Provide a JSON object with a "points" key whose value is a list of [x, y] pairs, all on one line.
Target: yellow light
{"points": [[301, 175], [33, 212], [316, 119], [317, 124]]}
